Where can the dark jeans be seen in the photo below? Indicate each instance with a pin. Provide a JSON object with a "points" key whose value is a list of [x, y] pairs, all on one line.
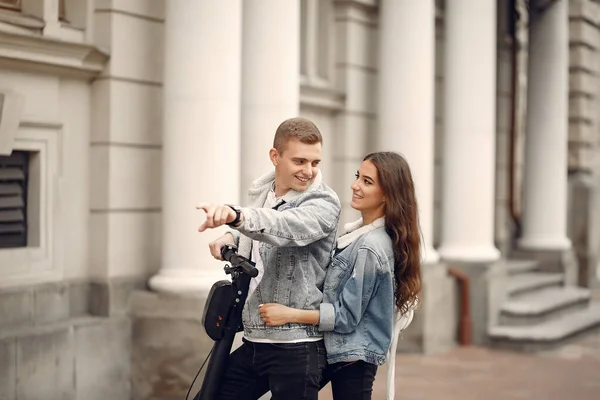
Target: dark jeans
{"points": [[351, 380], [291, 371]]}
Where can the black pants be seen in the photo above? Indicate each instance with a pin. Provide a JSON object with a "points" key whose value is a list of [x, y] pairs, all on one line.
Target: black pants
{"points": [[351, 380], [290, 371]]}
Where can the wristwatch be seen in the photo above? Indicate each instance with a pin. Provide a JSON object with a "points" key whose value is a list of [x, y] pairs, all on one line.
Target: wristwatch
{"points": [[238, 215]]}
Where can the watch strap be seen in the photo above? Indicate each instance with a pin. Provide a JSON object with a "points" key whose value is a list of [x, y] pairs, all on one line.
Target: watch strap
{"points": [[238, 216]]}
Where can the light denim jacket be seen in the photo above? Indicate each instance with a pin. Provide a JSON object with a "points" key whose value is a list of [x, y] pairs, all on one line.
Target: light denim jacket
{"points": [[358, 309], [298, 239]]}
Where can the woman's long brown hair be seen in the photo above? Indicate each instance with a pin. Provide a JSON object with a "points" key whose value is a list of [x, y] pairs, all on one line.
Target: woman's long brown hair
{"points": [[402, 224]]}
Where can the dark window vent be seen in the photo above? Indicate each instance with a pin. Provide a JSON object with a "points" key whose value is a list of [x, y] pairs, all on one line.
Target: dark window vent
{"points": [[14, 173]]}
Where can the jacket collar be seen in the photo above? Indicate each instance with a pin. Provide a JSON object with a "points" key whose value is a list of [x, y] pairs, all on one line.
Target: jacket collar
{"points": [[267, 180], [355, 229]]}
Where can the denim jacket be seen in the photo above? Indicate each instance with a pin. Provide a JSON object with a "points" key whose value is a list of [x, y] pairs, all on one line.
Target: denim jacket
{"points": [[297, 241], [358, 310]]}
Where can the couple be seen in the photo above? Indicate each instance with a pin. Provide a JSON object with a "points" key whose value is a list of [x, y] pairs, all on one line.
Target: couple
{"points": [[320, 310]]}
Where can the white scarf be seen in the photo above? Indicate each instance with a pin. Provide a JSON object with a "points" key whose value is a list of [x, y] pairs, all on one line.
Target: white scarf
{"points": [[355, 229]]}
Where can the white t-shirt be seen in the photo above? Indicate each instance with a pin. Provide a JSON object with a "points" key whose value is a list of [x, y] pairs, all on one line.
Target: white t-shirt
{"points": [[269, 203]]}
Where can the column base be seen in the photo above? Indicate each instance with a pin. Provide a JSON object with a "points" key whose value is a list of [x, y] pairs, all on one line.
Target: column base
{"points": [[168, 345], [469, 254], [487, 292], [544, 243], [185, 281], [111, 297], [433, 329]]}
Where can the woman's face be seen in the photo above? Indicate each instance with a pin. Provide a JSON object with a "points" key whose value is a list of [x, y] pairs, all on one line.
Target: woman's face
{"points": [[367, 193]]}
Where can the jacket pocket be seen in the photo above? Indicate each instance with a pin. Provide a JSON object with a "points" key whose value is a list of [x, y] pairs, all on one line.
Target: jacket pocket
{"points": [[336, 272]]}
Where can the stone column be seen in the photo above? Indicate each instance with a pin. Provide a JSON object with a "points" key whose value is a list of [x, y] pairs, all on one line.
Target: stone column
{"points": [[470, 132], [270, 79], [201, 140], [546, 142], [406, 97]]}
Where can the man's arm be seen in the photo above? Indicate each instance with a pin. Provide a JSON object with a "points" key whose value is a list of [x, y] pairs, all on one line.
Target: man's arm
{"points": [[310, 221]]}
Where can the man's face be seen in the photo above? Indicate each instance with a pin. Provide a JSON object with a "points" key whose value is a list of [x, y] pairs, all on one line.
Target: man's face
{"points": [[296, 167]]}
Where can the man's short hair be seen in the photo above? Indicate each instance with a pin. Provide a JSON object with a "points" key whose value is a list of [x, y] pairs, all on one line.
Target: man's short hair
{"points": [[298, 128]]}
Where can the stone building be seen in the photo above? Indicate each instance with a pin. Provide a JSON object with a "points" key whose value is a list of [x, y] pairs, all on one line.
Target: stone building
{"points": [[118, 116]]}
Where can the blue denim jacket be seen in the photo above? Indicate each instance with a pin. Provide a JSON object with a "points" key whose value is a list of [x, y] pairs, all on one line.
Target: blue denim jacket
{"points": [[297, 242], [357, 312]]}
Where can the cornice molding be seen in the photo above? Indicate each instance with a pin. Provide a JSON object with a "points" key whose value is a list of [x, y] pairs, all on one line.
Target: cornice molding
{"points": [[40, 54]]}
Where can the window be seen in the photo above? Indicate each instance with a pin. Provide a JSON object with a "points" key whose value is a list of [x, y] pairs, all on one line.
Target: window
{"points": [[317, 29], [36, 156], [16, 5], [14, 173], [11, 4]]}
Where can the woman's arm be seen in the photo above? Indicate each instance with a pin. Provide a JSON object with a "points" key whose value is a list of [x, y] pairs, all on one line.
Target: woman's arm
{"points": [[344, 315], [274, 314]]}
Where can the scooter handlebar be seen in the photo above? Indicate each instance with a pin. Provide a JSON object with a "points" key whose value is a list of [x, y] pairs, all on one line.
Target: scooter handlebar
{"points": [[229, 253]]}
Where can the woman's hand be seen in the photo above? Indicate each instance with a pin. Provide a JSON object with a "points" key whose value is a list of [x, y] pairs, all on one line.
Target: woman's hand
{"points": [[274, 314]]}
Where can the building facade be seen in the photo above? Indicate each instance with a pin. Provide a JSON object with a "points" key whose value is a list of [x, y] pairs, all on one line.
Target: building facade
{"points": [[118, 116]]}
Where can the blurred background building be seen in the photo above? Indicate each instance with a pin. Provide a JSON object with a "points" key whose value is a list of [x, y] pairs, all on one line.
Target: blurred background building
{"points": [[118, 116]]}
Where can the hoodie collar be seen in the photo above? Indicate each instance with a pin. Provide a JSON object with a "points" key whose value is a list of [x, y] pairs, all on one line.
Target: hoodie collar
{"points": [[355, 229], [267, 180]]}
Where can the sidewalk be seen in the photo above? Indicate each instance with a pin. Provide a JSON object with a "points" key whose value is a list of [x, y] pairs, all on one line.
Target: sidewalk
{"points": [[570, 373]]}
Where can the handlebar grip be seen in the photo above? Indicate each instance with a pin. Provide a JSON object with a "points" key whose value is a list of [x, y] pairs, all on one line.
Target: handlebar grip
{"points": [[229, 254]]}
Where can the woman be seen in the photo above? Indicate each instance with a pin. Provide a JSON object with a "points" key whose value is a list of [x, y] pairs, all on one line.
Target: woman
{"points": [[373, 278]]}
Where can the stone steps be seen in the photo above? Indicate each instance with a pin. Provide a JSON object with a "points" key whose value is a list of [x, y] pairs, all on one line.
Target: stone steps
{"points": [[540, 312], [520, 266], [541, 305], [549, 333], [529, 281]]}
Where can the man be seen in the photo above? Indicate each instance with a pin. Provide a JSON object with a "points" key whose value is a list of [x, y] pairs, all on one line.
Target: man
{"points": [[289, 232]]}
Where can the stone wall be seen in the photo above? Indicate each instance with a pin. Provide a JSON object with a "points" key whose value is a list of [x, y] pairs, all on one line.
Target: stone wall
{"points": [[584, 128], [64, 329], [52, 348], [584, 139]]}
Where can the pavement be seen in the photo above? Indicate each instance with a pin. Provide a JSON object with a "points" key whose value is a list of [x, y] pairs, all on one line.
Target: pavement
{"points": [[571, 372]]}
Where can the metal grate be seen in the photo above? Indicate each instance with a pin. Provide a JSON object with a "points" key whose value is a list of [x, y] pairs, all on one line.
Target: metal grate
{"points": [[14, 173]]}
